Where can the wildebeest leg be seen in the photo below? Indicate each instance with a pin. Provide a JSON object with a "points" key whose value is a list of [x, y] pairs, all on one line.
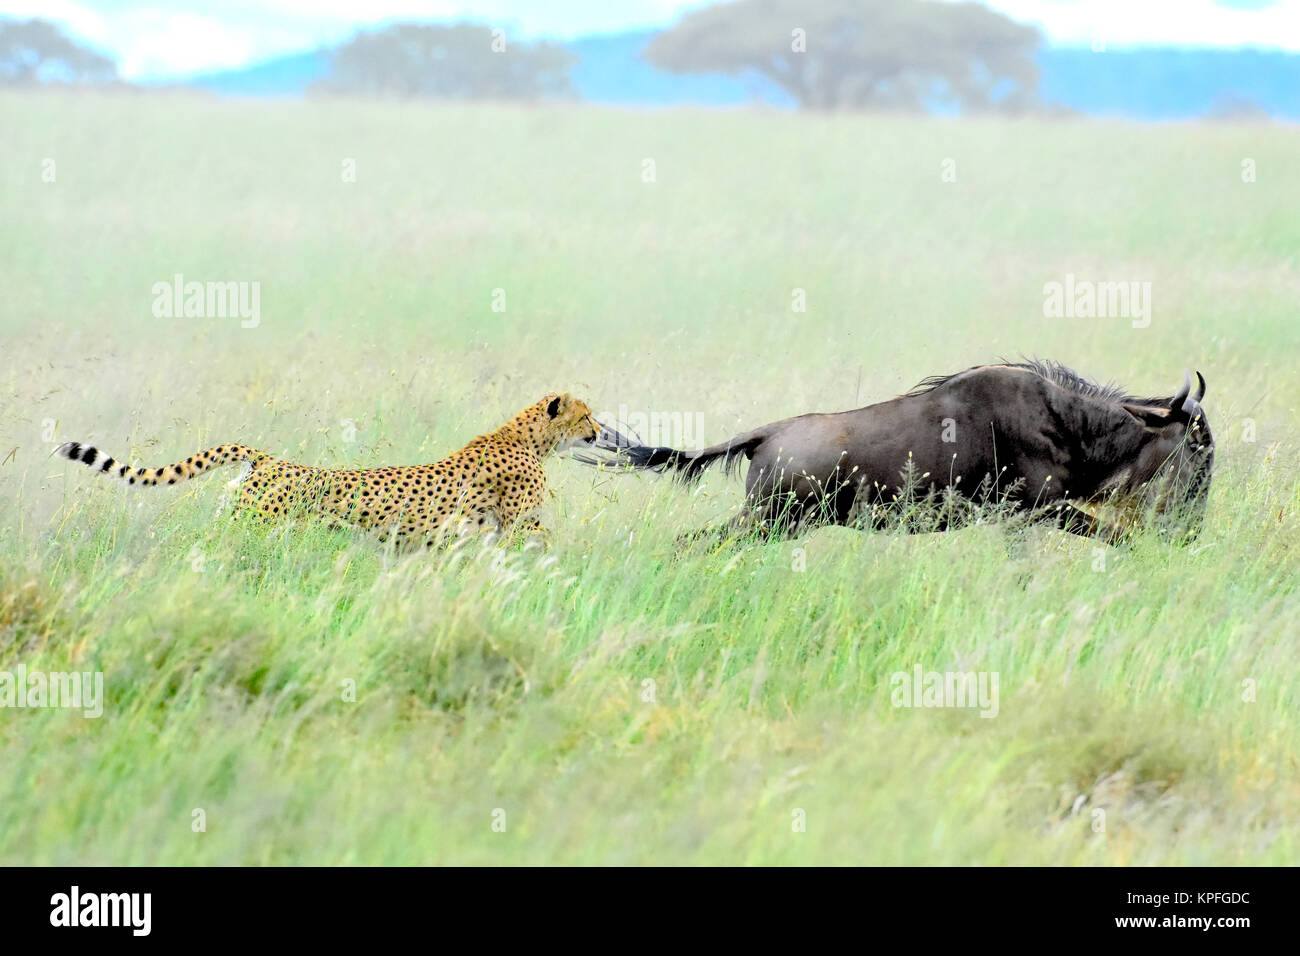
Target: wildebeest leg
{"points": [[1076, 521], [789, 516], [782, 518], [740, 524]]}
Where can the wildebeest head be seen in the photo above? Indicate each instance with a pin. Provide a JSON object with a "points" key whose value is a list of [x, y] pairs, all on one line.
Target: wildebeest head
{"points": [[1179, 462]]}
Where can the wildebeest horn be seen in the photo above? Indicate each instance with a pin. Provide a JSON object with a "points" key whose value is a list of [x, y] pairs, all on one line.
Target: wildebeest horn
{"points": [[1200, 390], [1179, 400]]}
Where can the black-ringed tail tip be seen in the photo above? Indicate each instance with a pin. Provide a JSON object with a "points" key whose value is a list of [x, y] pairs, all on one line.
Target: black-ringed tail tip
{"points": [[204, 461]]}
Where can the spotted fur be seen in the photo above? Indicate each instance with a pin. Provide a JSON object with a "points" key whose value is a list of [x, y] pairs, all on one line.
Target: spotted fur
{"points": [[496, 482]]}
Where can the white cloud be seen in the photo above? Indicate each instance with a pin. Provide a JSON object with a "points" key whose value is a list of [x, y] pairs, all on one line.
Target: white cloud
{"points": [[521, 18], [157, 43], [1127, 23], [369, 12]]}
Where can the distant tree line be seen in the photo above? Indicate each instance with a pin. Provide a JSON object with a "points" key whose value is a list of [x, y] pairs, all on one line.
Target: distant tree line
{"points": [[910, 55], [826, 54]]}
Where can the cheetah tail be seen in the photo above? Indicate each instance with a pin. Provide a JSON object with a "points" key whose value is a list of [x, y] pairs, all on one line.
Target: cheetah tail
{"points": [[195, 465]]}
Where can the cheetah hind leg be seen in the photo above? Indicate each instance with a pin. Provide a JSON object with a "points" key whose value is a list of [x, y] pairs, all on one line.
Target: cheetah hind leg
{"points": [[240, 496], [236, 500]]}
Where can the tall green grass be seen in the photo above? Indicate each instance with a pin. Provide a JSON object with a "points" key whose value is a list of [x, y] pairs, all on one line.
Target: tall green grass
{"points": [[623, 702]]}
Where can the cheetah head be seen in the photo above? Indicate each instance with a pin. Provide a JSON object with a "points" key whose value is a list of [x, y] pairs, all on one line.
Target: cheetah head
{"points": [[568, 422]]}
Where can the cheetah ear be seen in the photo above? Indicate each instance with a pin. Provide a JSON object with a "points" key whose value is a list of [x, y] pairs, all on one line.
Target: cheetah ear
{"points": [[553, 409]]}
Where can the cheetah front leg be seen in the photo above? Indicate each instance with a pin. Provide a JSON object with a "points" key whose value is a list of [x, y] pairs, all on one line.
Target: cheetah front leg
{"points": [[533, 531], [517, 517], [520, 524]]}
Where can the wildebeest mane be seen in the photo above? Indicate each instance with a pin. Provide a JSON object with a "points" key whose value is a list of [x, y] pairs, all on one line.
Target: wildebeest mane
{"points": [[1054, 372]]}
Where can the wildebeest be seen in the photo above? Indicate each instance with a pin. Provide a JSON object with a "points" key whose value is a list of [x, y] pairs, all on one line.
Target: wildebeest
{"points": [[1032, 435]]}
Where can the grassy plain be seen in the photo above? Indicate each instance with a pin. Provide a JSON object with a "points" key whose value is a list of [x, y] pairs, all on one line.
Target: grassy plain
{"points": [[1156, 684]]}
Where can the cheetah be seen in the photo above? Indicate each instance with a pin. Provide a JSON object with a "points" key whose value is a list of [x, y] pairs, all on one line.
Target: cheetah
{"points": [[495, 483]]}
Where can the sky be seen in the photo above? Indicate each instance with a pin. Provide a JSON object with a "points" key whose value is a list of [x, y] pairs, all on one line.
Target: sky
{"points": [[153, 39]]}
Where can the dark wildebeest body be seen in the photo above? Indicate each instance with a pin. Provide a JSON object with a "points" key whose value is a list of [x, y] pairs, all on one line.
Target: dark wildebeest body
{"points": [[1035, 436]]}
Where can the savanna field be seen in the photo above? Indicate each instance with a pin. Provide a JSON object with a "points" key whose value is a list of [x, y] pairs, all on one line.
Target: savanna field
{"points": [[608, 699]]}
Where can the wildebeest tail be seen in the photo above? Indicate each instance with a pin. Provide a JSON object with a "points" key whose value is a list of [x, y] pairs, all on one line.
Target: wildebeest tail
{"points": [[166, 475], [690, 465]]}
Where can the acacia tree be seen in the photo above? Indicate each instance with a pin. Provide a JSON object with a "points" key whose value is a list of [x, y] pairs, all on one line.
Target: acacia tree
{"points": [[463, 61], [846, 54], [36, 51]]}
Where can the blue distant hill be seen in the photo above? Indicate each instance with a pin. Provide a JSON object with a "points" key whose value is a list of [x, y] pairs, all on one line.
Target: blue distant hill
{"points": [[1160, 84], [610, 70], [1144, 84], [284, 76]]}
